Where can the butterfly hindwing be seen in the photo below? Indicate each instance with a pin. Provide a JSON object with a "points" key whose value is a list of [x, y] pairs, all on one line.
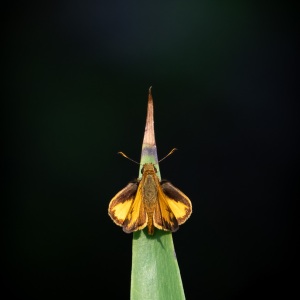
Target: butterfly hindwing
{"points": [[136, 218], [163, 216]]}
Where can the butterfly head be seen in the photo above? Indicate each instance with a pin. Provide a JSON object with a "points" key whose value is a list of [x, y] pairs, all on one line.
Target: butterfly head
{"points": [[149, 168]]}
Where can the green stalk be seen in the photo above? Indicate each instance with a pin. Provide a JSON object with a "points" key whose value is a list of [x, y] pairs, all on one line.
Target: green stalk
{"points": [[155, 272]]}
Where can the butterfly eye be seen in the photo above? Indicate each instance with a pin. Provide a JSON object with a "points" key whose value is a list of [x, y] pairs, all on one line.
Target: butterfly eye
{"points": [[155, 170], [142, 171]]}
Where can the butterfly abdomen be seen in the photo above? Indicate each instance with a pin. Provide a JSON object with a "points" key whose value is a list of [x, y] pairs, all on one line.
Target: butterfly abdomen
{"points": [[150, 223], [150, 199]]}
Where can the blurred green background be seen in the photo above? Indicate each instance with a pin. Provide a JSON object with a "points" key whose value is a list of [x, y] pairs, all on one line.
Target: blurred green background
{"points": [[77, 75]]}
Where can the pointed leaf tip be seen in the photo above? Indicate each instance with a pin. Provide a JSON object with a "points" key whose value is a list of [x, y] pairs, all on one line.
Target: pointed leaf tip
{"points": [[150, 99], [149, 137]]}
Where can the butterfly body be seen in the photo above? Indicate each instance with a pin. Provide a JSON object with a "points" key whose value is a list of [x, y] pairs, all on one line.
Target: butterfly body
{"points": [[149, 202], [149, 196]]}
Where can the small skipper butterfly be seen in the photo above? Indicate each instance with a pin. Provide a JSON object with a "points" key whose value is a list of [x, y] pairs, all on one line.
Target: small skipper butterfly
{"points": [[149, 202]]}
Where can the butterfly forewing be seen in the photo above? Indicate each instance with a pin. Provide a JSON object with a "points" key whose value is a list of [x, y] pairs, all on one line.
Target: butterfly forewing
{"points": [[178, 202], [121, 204]]}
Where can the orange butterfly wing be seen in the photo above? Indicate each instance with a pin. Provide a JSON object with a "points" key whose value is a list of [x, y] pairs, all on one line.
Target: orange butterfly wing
{"points": [[173, 208], [178, 202], [126, 208]]}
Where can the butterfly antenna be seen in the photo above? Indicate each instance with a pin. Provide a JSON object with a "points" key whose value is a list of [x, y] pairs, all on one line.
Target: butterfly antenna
{"points": [[123, 154], [174, 149]]}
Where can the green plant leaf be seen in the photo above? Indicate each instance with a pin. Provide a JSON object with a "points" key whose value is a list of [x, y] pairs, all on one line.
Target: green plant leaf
{"points": [[155, 272]]}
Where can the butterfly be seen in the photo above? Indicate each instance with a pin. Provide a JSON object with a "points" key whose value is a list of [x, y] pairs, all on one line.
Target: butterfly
{"points": [[150, 202]]}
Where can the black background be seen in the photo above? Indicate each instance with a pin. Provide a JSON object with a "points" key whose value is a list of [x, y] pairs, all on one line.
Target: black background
{"points": [[77, 75]]}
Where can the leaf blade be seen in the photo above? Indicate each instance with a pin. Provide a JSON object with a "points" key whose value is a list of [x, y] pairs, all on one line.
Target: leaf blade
{"points": [[155, 273]]}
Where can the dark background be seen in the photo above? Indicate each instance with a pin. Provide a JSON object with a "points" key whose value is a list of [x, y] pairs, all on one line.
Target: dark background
{"points": [[76, 81]]}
